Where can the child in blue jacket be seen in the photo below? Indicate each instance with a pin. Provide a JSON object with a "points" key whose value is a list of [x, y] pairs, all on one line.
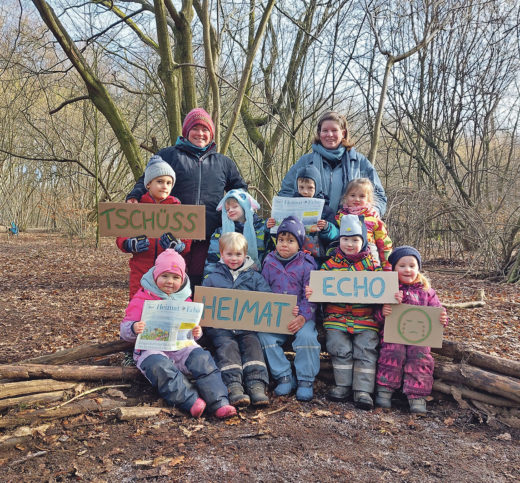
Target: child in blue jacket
{"points": [[238, 352]]}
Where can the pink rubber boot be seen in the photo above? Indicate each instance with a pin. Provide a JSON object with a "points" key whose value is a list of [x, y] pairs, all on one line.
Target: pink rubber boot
{"points": [[226, 411], [198, 408]]}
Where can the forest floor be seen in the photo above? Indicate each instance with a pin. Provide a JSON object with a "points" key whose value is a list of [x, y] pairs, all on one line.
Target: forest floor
{"points": [[57, 293]]}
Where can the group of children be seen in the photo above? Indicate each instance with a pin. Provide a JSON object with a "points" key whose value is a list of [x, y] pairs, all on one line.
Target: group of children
{"points": [[355, 238]]}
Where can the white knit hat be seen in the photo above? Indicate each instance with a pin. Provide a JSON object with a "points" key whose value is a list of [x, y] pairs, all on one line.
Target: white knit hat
{"points": [[156, 167]]}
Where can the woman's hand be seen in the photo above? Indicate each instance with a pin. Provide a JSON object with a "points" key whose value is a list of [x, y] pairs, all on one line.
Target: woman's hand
{"points": [[296, 324]]}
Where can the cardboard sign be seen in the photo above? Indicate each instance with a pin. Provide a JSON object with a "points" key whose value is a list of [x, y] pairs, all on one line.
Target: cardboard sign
{"points": [[414, 325], [244, 309], [351, 287], [152, 220]]}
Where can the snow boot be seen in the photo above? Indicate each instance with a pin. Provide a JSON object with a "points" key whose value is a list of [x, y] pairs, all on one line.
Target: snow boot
{"points": [[286, 385], [363, 400], [305, 391], [237, 396], [256, 391], [226, 411], [198, 408], [339, 393], [417, 406], [383, 397]]}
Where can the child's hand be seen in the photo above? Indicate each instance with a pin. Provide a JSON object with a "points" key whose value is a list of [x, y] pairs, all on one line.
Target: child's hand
{"points": [[386, 310], [138, 327], [270, 222], [399, 296], [132, 200], [197, 332], [308, 291], [295, 311], [296, 324], [322, 224], [444, 318]]}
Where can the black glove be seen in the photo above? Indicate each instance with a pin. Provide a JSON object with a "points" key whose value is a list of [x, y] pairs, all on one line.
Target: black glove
{"points": [[167, 240], [136, 244]]}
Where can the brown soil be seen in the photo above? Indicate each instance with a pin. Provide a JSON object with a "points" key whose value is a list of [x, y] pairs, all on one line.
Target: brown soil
{"points": [[57, 293]]}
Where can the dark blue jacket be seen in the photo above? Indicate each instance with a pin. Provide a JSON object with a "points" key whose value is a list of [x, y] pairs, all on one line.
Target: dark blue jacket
{"points": [[248, 278], [200, 180]]}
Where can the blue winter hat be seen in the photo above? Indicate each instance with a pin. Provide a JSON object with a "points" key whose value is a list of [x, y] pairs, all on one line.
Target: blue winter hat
{"points": [[156, 167], [353, 225], [404, 251], [311, 172], [249, 205], [295, 227]]}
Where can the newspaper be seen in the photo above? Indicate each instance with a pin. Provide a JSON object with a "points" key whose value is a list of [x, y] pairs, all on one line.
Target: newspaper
{"points": [[169, 324], [308, 210]]}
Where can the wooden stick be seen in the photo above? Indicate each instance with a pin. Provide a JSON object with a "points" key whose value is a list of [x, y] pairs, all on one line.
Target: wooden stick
{"points": [[473, 395], [82, 352], [458, 352], [137, 412], [468, 305], [81, 407], [69, 373], [90, 391], [11, 389], [41, 397]]}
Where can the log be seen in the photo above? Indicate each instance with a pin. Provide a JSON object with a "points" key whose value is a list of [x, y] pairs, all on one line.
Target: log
{"points": [[42, 397], [473, 395], [82, 352], [136, 412], [458, 352], [468, 305], [11, 389], [507, 387], [80, 407], [69, 373]]}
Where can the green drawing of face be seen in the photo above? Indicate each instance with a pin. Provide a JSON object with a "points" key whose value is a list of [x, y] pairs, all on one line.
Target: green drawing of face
{"points": [[414, 325]]}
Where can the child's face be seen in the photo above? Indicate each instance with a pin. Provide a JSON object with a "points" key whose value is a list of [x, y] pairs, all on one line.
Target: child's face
{"points": [[357, 198], [350, 245], [199, 135], [160, 187], [331, 134], [407, 269], [306, 187], [169, 282], [287, 245], [234, 210], [232, 257]]}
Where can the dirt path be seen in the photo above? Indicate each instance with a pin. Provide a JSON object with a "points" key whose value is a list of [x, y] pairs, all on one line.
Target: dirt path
{"points": [[55, 294]]}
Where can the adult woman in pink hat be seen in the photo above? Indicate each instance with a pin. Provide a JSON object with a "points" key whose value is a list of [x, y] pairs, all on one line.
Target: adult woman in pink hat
{"points": [[203, 175]]}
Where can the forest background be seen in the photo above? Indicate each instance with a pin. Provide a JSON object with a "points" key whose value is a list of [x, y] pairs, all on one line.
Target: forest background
{"points": [[90, 89]]}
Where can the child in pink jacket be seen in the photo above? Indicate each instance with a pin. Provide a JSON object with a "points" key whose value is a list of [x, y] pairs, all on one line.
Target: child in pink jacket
{"points": [[168, 371]]}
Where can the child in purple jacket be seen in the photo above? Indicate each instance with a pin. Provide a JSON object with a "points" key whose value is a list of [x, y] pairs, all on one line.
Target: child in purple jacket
{"points": [[167, 371], [415, 361], [287, 270]]}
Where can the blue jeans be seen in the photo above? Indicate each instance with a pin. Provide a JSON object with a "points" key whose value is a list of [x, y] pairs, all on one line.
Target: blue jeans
{"points": [[239, 356], [175, 388], [305, 346]]}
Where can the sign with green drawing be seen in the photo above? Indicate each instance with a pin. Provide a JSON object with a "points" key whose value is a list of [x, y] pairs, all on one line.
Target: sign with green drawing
{"points": [[414, 325]]}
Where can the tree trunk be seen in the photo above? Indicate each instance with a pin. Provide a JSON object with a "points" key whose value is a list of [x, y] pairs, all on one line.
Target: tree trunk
{"points": [[456, 351], [69, 373], [11, 389], [82, 352], [40, 398], [95, 88], [473, 395], [504, 386]]}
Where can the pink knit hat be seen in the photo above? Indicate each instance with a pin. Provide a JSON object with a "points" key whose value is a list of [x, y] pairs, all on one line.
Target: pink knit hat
{"points": [[197, 116], [169, 261]]}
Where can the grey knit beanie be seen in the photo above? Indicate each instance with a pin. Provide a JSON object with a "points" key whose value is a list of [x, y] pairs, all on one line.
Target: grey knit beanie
{"points": [[157, 167]]}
